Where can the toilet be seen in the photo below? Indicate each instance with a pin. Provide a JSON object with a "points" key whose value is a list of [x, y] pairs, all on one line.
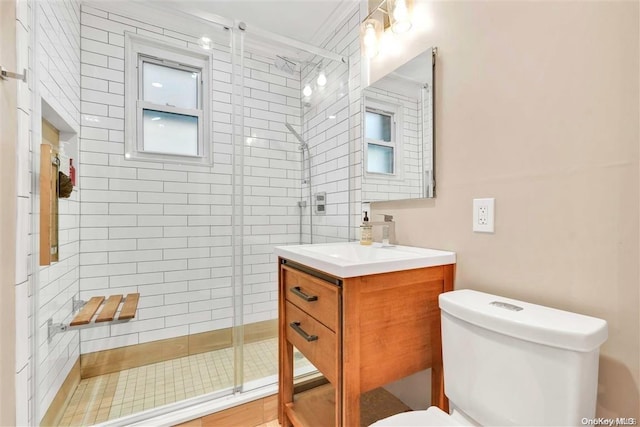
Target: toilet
{"points": [[508, 362]]}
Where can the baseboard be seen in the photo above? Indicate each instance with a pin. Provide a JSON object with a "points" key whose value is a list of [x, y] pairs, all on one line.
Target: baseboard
{"points": [[133, 356], [59, 403]]}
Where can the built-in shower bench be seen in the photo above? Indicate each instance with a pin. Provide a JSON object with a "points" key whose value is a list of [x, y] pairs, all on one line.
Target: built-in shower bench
{"points": [[125, 308], [109, 309]]}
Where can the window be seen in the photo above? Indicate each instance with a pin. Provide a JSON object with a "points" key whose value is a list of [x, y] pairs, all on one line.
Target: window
{"points": [[167, 102], [381, 138], [380, 144]]}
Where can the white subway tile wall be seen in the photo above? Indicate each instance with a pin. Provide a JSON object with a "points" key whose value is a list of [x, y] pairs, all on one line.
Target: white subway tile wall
{"points": [[271, 181], [24, 334], [57, 54], [164, 230], [331, 127], [352, 38]]}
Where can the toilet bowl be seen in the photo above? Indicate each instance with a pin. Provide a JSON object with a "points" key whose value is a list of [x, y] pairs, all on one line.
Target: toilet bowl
{"points": [[509, 362]]}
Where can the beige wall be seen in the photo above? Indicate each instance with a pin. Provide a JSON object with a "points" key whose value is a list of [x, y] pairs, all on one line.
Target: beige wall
{"points": [[537, 106], [8, 96]]}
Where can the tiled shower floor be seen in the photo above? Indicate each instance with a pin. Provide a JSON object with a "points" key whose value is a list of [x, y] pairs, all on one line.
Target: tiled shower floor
{"points": [[110, 396]]}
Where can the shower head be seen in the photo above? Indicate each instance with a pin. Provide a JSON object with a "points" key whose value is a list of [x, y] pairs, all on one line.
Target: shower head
{"points": [[285, 64], [303, 144]]}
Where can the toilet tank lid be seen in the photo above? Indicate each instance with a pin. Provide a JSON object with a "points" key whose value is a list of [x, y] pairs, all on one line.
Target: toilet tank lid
{"points": [[526, 321]]}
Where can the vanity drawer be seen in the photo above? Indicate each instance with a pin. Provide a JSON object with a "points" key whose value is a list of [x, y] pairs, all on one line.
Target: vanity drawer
{"points": [[314, 340], [312, 295]]}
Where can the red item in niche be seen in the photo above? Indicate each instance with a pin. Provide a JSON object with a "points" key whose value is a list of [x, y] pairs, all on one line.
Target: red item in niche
{"points": [[72, 172]]}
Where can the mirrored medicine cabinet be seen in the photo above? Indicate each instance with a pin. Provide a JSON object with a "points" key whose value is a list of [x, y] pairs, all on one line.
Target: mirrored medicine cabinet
{"points": [[398, 136]]}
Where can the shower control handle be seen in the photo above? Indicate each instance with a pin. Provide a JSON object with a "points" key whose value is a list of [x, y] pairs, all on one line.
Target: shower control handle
{"points": [[296, 327], [308, 298]]}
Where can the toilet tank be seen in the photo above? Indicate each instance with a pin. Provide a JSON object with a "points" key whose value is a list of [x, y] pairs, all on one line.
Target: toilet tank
{"points": [[508, 362]]}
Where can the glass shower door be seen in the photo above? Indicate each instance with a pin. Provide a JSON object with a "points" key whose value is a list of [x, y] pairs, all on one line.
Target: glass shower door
{"points": [[277, 175], [267, 190]]}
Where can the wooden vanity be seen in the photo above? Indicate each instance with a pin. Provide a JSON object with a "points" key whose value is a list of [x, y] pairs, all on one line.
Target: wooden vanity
{"points": [[360, 333]]}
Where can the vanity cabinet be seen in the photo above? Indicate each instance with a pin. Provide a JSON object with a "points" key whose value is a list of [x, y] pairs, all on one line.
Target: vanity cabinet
{"points": [[360, 333]]}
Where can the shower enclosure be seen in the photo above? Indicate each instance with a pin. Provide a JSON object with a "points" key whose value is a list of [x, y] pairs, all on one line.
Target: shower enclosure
{"points": [[195, 241]]}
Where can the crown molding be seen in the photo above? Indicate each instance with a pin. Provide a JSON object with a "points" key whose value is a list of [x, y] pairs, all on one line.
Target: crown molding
{"points": [[343, 11]]}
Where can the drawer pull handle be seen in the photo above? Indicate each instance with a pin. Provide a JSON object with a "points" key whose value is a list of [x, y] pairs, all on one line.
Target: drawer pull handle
{"points": [[296, 327], [308, 298]]}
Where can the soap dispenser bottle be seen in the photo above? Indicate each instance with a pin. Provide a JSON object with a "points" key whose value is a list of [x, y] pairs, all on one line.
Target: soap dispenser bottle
{"points": [[72, 172], [366, 232]]}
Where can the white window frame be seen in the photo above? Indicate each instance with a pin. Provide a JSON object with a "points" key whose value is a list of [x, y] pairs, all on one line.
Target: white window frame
{"points": [[397, 123], [139, 49]]}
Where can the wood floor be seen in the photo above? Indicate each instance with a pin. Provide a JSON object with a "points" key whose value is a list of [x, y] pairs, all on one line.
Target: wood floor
{"points": [[273, 423], [259, 413], [375, 405]]}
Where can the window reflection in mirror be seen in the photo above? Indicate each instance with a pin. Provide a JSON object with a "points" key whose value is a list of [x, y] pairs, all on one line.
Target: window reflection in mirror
{"points": [[380, 140], [398, 161]]}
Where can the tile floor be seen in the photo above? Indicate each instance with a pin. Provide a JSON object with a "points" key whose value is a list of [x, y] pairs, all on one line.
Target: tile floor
{"points": [[111, 396]]}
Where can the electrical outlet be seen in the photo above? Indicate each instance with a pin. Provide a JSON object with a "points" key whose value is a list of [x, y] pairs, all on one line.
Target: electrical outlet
{"points": [[483, 215]]}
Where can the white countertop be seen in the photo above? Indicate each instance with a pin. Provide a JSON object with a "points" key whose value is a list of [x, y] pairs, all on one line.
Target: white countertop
{"points": [[350, 259]]}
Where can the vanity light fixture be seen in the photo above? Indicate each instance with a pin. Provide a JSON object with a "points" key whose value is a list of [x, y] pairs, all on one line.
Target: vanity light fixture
{"points": [[396, 14], [400, 15], [370, 32]]}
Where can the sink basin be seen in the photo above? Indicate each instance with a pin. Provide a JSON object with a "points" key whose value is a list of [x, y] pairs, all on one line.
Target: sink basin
{"points": [[350, 259]]}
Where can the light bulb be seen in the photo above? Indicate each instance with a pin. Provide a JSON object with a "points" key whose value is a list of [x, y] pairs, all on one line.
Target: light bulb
{"points": [[401, 18], [370, 35], [307, 91], [370, 40], [401, 27], [322, 79]]}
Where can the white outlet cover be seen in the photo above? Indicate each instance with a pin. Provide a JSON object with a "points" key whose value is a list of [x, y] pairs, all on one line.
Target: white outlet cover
{"points": [[484, 215]]}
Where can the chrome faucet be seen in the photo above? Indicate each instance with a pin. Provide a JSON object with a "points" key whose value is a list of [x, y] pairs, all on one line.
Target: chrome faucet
{"points": [[388, 229]]}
